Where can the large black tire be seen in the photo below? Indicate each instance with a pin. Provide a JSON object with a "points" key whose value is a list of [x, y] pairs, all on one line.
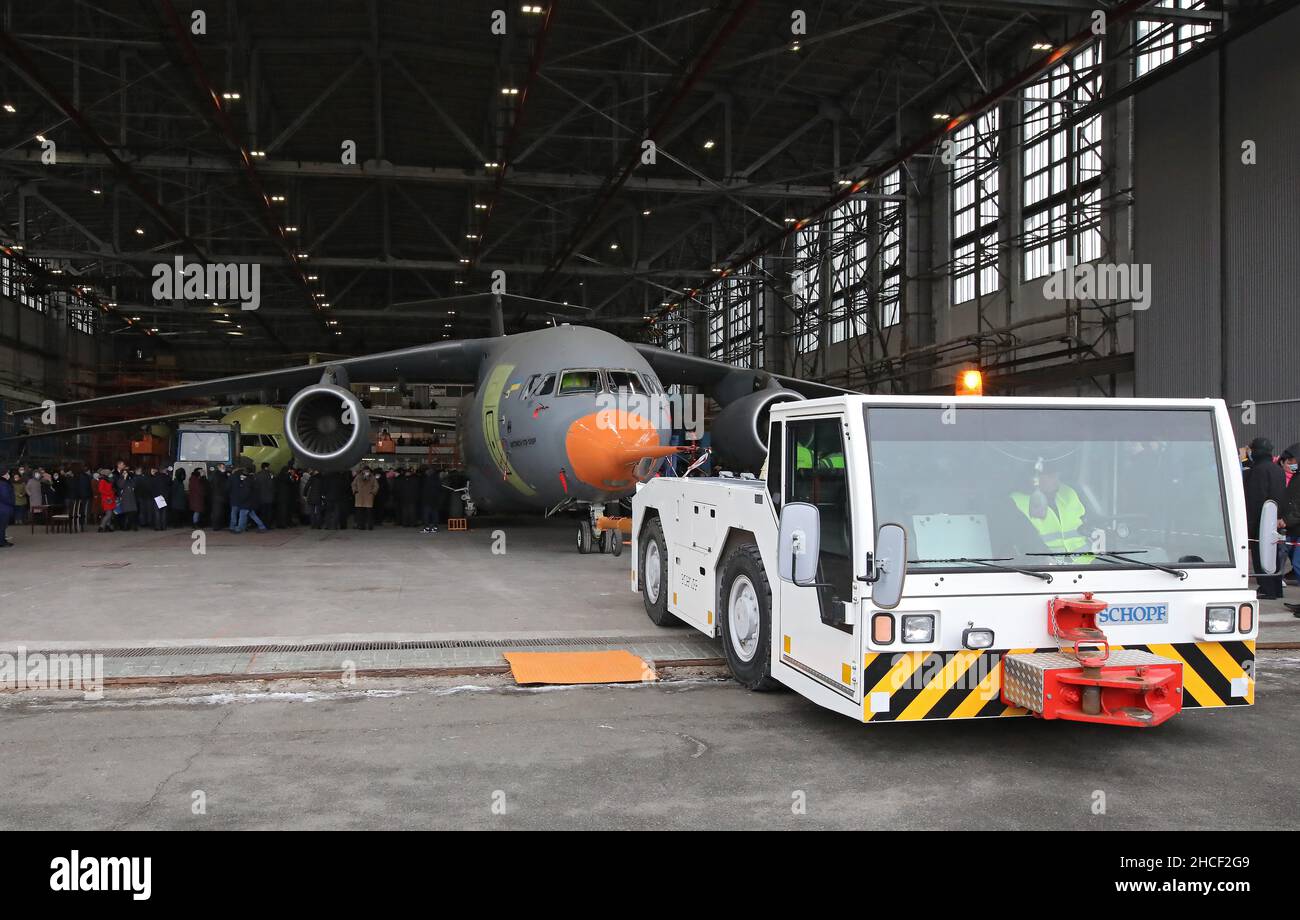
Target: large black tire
{"points": [[754, 673], [656, 606], [585, 537]]}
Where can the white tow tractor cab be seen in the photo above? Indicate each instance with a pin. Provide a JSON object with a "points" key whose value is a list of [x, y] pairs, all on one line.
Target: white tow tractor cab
{"points": [[913, 558]]}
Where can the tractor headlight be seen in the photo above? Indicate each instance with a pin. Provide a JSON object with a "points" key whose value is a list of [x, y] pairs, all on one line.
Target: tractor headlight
{"points": [[1220, 620], [918, 628]]}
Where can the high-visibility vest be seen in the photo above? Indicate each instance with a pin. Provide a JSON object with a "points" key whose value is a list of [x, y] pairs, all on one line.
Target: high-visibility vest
{"points": [[803, 459], [1059, 527]]}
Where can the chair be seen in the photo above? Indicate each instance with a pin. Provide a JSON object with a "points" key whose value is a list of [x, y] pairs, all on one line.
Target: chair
{"points": [[62, 520], [33, 511]]}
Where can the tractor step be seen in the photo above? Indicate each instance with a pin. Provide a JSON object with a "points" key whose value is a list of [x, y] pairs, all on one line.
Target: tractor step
{"points": [[1132, 687]]}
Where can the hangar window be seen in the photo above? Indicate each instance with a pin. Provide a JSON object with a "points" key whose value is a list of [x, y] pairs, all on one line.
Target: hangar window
{"points": [[806, 288], [975, 208], [580, 381], [1160, 42], [1062, 163], [889, 251]]}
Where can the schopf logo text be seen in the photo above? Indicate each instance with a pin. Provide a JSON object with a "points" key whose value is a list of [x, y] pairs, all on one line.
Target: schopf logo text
{"points": [[20, 670], [103, 873], [1138, 613]]}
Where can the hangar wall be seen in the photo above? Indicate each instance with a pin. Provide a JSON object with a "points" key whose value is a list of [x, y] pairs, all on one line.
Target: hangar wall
{"points": [[1222, 236]]}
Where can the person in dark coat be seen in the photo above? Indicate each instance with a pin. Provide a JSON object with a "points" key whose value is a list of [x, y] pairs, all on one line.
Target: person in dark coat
{"points": [[144, 497], [179, 499], [286, 498], [243, 500], [6, 504], [1264, 481], [128, 506], [336, 494], [430, 499], [219, 494], [1289, 512], [264, 492], [316, 499], [382, 495], [196, 493], [408, 497]]}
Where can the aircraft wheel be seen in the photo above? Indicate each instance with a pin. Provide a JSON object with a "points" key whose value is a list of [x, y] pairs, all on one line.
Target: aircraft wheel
{"points": [[653, 574], [745, 615], [585, 537]]}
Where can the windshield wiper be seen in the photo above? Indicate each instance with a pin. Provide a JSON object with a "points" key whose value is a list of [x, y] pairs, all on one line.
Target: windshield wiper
{"points": [[992, 564], [1123, 556]]}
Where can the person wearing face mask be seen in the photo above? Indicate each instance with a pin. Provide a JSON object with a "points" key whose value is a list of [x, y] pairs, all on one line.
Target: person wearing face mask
{"points": [[243, 501], [1289, 512], [1265, 481], [364, 489]]}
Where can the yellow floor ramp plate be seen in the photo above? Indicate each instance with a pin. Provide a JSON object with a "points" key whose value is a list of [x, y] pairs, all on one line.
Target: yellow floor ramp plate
{"points": [[614, 667]]}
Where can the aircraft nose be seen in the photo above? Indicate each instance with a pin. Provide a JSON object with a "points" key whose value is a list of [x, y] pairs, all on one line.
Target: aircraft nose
{"points": [[605, 447]]}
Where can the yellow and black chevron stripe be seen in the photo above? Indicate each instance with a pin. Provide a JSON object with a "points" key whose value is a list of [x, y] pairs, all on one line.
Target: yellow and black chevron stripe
{"points": [[968, 684]]}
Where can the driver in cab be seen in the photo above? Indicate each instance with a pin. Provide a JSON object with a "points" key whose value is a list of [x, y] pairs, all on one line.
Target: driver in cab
{"points": [[1056, 511]]}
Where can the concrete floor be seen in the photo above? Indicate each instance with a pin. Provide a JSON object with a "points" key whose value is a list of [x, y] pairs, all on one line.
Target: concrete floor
{"points": [[705, 754], [386, 583]]}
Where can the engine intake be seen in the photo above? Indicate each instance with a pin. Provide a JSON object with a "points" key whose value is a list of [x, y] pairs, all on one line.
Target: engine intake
{"points": [[740, 430], [327, 427]]}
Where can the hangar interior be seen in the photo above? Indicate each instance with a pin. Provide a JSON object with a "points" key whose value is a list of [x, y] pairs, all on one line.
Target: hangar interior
{"points": [[870, 194]]}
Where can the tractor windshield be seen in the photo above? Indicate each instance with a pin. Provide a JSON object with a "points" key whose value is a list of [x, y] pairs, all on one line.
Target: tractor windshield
{"points": [[1050, 487]]}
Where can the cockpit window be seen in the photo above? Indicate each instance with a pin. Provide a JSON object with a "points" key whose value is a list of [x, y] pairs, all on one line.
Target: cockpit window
{"points": [[539, 385], [628, 381], [583, 381]]}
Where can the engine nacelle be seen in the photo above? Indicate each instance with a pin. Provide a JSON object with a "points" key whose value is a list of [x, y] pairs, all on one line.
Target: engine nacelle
{"points": [[740, 430], [327, 427]]}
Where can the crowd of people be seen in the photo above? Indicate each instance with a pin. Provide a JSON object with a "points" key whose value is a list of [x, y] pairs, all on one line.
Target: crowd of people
{"points": [[1269, 476], [227, 497]]}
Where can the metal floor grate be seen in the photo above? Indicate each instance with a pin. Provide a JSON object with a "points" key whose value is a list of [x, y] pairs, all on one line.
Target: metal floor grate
{"points": [[525, 642]]}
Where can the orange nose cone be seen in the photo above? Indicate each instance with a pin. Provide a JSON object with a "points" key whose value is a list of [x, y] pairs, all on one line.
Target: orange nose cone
{"points": [[604, 448]]}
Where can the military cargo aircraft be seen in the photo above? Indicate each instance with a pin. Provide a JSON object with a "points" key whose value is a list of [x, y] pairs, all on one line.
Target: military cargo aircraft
{"points": [[537, 435]]}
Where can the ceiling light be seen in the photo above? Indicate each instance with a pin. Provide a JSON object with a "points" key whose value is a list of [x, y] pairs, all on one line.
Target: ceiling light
{"points": [[1042, 46], [794, 46], [95, 191], [645, 213], [845, 182], [10, 109], [257, 153], [303, 255], [708, 145], [509, 91], [941, 116], [458, 281], [230, 95], [491, 165], [471, 236], [790, 220], [613, 245], [233, 332], [290, 229], [40, 138], [311, 277], [451, 312], [478, 205], [277, 198], [464, 261], [533, 9], [135, 319], [139, 231]]}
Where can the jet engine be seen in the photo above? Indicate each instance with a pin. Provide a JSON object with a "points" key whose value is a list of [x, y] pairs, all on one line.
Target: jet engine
{"points": [[327, 427], [740, 429]]}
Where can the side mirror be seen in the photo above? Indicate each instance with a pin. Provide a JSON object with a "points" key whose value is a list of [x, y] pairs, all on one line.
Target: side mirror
{"points": [[1268, 538], [890, 563], [798, 544]]}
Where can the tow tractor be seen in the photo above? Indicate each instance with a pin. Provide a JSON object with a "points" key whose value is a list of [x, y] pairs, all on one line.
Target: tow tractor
{"points": [[928, 558]]}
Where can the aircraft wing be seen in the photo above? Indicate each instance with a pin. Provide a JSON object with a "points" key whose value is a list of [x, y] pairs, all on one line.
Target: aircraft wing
{"points": [[449, 362], [108, 426], [723, 381]]}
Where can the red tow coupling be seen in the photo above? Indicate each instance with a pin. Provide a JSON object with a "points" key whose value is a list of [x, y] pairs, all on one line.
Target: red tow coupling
{"points": [[1091, 683]]}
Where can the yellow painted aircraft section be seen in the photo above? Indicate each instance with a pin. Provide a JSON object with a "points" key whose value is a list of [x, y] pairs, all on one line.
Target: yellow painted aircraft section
{"points": [[262, 420]]}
